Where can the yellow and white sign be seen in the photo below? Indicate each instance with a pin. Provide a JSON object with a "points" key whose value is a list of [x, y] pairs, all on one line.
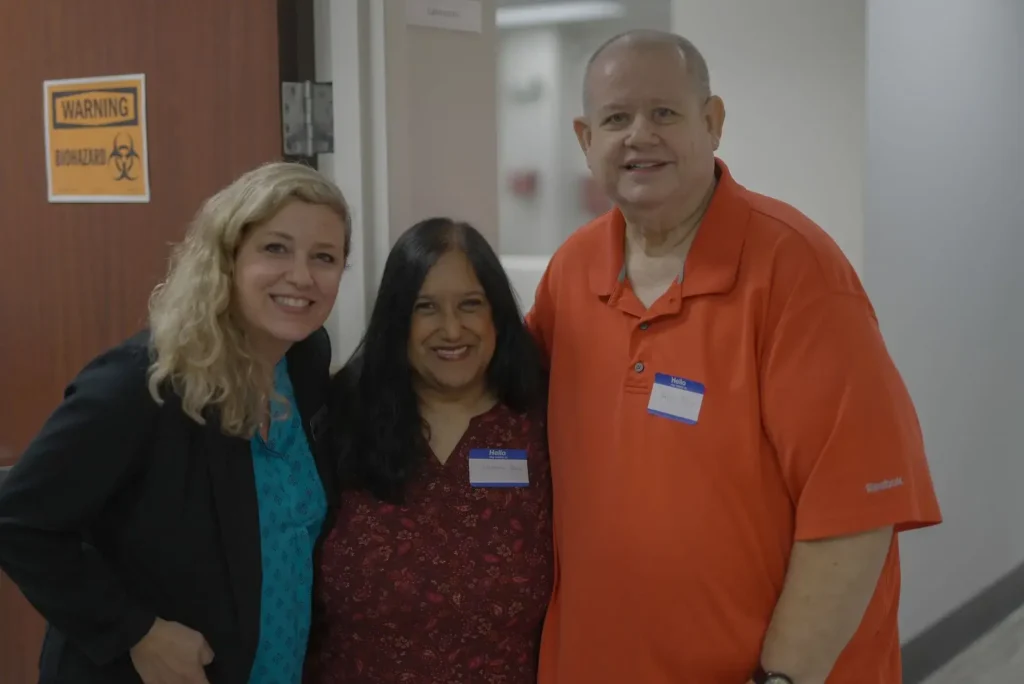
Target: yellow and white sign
{"points": [[96, 147]]}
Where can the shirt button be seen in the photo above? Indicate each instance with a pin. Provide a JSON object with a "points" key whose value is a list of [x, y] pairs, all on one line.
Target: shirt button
{"points": [[639, 367], [645, 325]]}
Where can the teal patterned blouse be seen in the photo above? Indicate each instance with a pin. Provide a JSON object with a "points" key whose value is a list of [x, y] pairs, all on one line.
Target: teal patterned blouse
{"points": [[292, 507]]}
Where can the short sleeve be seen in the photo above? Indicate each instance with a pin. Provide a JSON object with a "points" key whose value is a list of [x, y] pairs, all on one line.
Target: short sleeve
{"points": [[540, 320], [842, 422]]}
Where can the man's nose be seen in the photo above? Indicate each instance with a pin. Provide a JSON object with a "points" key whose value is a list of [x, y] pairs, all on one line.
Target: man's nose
{"points": [[641, 132]]}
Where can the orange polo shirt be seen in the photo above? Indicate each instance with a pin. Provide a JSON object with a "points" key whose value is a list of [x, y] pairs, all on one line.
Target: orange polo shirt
{"points": [[752, 405]]}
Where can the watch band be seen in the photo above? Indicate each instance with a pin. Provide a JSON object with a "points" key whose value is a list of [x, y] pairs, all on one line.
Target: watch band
{"points": [[762, 676]]}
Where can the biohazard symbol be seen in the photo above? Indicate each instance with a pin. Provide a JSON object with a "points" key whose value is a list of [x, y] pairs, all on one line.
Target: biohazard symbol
{"points": [[124, 157]]}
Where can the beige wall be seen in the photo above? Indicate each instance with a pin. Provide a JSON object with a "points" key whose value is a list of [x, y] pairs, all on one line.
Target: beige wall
{"points": [[442, 135], [415, 121]]}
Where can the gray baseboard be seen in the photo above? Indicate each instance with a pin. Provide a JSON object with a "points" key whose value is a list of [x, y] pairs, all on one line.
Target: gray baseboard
{"points": [[929, 651]]}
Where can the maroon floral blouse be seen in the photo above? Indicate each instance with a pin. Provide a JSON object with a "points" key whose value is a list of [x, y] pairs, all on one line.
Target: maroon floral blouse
{"points": [[450, 588]]}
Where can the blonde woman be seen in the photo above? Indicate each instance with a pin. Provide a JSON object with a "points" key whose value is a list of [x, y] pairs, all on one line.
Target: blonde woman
{"points": [[164, 520]]}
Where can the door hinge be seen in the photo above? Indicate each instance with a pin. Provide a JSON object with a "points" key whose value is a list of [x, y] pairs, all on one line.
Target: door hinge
{"points": [[307, 118]]}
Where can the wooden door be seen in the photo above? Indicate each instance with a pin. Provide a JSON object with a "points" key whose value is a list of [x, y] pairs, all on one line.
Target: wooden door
{"points": [[74, 278]]}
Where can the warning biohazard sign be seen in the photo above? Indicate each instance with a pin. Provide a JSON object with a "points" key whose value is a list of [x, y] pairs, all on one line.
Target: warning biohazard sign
{"points": [[96, 139]]}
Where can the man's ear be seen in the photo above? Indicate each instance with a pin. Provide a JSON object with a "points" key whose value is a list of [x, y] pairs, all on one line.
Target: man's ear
{"points": [[582, 128], [714, 118]]}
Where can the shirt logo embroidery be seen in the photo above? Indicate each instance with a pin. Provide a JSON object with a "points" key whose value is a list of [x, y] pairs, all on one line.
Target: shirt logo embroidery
{"points": [[875, 487]]}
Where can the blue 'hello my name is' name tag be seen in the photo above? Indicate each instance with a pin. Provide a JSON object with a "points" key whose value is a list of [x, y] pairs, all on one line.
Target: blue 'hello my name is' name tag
{"points": [[498, 468], [676, 398]]}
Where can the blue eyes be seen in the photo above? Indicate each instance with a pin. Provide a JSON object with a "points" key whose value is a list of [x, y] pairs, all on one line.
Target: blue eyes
{"points": [[278, 248]]}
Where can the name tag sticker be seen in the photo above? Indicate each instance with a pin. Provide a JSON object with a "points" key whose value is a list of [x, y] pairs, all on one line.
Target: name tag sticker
{"points": [[498, 468], [676, 398]]}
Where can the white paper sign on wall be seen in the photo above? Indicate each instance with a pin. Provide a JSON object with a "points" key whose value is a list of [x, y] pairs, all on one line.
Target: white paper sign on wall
{"points": [[454, 15]]}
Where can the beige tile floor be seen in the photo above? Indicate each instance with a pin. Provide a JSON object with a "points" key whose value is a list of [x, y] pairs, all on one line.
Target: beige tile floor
{"points": [[996, 658]]}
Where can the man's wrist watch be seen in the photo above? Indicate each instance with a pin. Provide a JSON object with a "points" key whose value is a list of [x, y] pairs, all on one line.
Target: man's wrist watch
{"points": [[764, 677]]}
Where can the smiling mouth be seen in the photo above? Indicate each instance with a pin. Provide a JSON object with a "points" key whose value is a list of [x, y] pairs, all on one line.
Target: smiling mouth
{"points": [[452, 353], [292, 303], [645, 166]]}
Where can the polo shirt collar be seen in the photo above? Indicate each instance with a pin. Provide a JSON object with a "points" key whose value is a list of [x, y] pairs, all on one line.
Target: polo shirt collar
{"points": [[713, 262]]}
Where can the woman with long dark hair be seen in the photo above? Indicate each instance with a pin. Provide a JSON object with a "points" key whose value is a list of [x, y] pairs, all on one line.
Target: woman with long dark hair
{"points": [[439, 566]]}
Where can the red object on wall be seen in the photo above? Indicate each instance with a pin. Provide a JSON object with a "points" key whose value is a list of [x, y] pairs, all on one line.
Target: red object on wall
{"points": [[523, 183], [592, 197]]}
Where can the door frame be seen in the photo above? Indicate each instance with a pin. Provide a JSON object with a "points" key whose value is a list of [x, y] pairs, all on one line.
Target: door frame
{"points": [[342, 56]]}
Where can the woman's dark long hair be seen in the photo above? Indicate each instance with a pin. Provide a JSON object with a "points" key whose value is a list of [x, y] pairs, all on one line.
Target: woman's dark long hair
{"points": [[375, 414]]}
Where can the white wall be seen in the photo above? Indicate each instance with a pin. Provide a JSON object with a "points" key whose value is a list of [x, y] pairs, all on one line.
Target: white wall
{"points": [[529, 123], [791, 73], [943, 249], [338, 60]]}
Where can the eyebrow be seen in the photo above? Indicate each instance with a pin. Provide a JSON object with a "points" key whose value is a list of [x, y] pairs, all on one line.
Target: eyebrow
{"points": [[615, 106], [289, 238]]}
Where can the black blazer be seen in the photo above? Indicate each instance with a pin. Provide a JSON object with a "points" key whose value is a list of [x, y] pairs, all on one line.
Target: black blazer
{"points": [[122, 510]]}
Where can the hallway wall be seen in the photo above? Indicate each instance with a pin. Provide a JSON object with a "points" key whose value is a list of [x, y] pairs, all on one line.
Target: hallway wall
{"points": [[791, 73], [943, 246]]}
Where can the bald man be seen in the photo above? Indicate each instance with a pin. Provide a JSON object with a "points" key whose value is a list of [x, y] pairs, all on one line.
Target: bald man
{"points": [[733, 450]]}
